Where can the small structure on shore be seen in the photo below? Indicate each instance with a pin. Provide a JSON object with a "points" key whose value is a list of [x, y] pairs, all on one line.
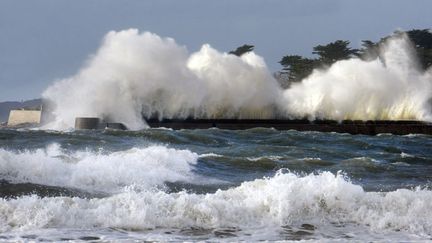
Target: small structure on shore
{"points": [[86, 123], [89, 123], [25, 116]]}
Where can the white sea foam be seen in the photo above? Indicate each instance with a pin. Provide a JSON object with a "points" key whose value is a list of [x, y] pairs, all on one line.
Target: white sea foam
{"points": [[141, 74], [98, 171], [323, 200], [406, 155], [399, 163], [392, 88], [135, 74], [270, 157], [212, 155]]}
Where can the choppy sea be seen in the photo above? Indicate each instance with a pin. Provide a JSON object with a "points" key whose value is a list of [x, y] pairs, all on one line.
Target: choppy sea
{"points": [[214, 185]]}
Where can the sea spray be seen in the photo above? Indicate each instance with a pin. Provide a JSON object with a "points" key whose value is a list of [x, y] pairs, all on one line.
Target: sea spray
{"points": [[389, 88], [141, 75], [134, 75]]}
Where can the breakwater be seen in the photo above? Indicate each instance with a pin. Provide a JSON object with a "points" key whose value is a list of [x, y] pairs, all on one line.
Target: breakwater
{"points": [[347, 126]]}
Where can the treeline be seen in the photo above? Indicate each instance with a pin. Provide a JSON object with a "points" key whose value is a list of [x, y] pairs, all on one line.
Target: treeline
{"points": [[296, 67]]}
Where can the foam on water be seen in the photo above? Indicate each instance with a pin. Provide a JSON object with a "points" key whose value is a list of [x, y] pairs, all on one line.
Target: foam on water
{"points": [[324, 200], [271, 157], [142, 168]]}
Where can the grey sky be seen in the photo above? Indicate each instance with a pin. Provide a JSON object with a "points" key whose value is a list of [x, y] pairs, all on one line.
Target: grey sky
{"points": [[45, 40]]}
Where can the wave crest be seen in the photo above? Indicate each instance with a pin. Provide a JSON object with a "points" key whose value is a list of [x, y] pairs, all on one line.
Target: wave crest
{"points": [[98, 171], [323, 200]]}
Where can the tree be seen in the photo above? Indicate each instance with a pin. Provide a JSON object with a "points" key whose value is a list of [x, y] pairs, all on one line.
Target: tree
{"points": [[369, 50], [297, 67], [242, 50], [334, 51], [422, 40]]}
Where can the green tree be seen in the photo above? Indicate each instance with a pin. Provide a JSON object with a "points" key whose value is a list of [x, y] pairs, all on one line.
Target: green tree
{"points": [[242, 50], [297, 67], [369, 50], [422, 40], [334, 51]]}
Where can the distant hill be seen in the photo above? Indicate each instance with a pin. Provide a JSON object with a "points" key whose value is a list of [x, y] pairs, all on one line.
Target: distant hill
{"points": [[5, 107]]}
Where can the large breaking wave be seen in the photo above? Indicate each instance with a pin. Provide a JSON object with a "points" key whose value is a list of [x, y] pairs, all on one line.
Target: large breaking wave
{"points": [[141, 168], [324, 201], [135, 75], [135, 198]]}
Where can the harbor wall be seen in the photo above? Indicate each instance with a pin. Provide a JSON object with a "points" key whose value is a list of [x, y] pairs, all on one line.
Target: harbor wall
{"points": [[402, 127]]}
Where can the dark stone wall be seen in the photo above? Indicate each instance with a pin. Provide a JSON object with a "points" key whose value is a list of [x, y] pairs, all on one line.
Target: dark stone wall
{"points": [[347, 126]]}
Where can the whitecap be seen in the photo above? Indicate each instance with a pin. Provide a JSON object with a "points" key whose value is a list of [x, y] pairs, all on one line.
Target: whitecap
{"points": [[325, 200], [98, 171]]}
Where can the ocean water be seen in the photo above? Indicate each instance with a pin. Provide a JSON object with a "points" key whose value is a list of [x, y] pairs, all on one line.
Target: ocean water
{"points": [[215, 185]]}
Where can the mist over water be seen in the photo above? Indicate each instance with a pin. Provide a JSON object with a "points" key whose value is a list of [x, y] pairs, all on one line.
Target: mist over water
{"points": [[141, 74]]}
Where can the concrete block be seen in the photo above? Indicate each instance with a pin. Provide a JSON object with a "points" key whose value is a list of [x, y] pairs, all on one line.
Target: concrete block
{"points": [[18, 117]]}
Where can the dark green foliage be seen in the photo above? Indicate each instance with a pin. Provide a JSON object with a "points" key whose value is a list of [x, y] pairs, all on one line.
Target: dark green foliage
{"points": [[242, 50], [369, 50], [422, 40], [297, 67], [335, 51]]}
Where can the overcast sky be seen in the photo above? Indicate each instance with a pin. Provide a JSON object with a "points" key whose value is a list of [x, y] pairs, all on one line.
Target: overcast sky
{"points": [[45, 40]]}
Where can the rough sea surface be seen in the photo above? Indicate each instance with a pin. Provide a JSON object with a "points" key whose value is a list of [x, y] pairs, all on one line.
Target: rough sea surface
{"points": [[216, 185]]}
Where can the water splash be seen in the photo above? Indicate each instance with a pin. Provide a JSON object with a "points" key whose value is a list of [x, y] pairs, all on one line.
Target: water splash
{"points": [[390, 88], [135, 75]]}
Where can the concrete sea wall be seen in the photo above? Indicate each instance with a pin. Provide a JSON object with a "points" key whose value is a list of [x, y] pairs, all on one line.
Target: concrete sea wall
{"points": [[347, 126]]}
